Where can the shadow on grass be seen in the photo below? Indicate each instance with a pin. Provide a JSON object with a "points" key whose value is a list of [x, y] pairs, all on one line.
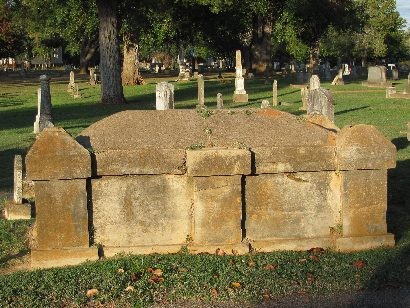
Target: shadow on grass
{"points": [[401, 143], [350, 110]]}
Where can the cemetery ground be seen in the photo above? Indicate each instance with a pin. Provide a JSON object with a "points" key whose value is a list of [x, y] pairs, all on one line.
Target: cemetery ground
{"points": [[252, 278]]}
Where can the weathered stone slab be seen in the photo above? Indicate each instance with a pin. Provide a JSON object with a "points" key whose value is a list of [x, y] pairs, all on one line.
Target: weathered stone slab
{"points": [[56, 155], [364, 147], [207, 162], [142, 210], [217, 210], [15, 211], [62, 257], [292, 205], [61, 214], [141, 161], [293, 159], [240, 98], [364, 202], [364, 242]]}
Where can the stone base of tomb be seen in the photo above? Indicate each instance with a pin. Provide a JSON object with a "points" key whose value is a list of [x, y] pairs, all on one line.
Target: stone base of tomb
{"points": [[376, 85], [229, 249], [290, 244], [364, 242], [13, 211], [61, 257], [240, 98]]}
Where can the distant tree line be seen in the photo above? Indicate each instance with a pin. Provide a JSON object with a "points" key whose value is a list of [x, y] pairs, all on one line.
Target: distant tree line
{"points": [[117, 33]]}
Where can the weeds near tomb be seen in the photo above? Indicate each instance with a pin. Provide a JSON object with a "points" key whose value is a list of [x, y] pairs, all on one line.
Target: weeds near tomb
{"points": [[196, 146], [204, 112]]}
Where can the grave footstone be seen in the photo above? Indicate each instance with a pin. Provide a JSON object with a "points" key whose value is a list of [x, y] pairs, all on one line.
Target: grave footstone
{"points": [[320, 102], [265, 104], [395, 74], [44, 117], [338, 80], [71, 84], [201, 92], [16, 209], [164, 96], [304, 94], [275, 93], [92, 77], [239, 95], [219, 101]]}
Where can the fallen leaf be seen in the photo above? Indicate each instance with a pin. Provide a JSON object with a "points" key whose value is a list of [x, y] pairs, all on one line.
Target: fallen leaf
{"points": [[136, 276], [251, 263], [316, 250], [121, 270], [92, 292], [236, 285], [359, 264], [129, 289], [267, 296], [232, 262], [314, 258], [270, 267], [155, 279], [310, 277], [158, 272], [302, 260], [214, 292]]}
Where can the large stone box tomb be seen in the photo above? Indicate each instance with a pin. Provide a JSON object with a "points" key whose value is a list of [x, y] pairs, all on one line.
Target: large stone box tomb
{"points": [[237, 180]]}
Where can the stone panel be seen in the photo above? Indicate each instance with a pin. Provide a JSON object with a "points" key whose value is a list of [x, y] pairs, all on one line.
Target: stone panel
{"points": [[141, 161], [142, 210], [207, 162], [293, 159], [364, 147], [56, 155], [61, 214], [293, 205], [217, 210], [364, 202]]}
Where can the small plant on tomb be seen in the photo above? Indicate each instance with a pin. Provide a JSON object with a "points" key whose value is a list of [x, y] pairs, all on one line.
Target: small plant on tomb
{"points": [[204, 112], [248, 112], [195, 146]]}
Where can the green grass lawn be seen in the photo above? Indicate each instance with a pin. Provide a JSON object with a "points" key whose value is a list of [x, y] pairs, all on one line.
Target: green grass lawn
{"points": [[251, 278]]}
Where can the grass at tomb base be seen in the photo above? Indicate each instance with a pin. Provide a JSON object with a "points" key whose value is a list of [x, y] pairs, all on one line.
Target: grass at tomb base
{"points": [[251, 278]]}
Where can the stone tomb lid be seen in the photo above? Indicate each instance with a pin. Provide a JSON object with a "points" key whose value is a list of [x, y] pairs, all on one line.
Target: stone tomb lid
{"points": [[181, 129]]}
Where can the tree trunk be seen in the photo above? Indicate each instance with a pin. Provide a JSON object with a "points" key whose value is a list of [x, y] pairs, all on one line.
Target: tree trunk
{"points": [[87, 51], [314, 57], [110, 65], [130, 72], [261, 49]]}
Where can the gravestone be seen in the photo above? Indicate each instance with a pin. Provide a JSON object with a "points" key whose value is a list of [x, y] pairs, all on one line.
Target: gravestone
{"points": [[408, 131], [164, 96], [18, 179], [16, 209], [338, 80], [44, 118], [93, 80], [395, 74], [265, 104], [314, 82], [71, 84], [376, 76], [407, 88], [239, 95], [201, 92], [275, 93], [219, 101], [320, 102], [304, 93]]}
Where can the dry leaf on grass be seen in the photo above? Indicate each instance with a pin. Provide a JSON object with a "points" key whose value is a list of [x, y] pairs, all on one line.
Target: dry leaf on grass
{"points": [[214, 292], [270, 267], [359, 264], [314, 258], [121, 271], [92, 292], [310, 277], [236, 285], [136, 276], [129, 289]]}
